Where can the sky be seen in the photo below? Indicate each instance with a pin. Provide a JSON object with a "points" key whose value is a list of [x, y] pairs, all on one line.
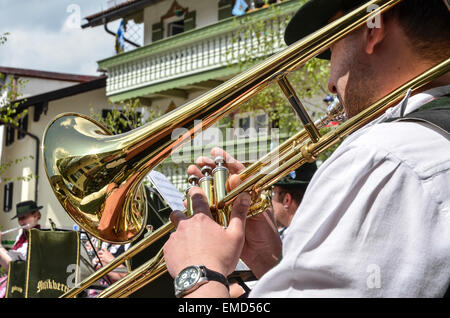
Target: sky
{"points": [[46, 35]]}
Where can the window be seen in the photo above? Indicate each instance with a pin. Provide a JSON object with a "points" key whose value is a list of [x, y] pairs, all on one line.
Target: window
{"points": [[225, 9], [261, 123], [176, 20], [10, 131], [176, 27], [23, 125], [8, 197], [244, 123], [251, 124]]}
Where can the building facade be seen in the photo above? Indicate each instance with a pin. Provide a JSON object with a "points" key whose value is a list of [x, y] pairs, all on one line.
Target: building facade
{"points": [[24, 177], [189, 47], [184, 49]]}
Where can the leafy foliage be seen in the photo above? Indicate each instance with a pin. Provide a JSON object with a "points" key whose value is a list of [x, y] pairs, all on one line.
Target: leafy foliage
{"points": [[262, 38], [10, 115], [122, 118]]}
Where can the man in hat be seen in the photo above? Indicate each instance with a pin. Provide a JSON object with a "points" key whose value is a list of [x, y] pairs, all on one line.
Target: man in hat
{"points": [[28, 216], [287, 194], [375, 218]]}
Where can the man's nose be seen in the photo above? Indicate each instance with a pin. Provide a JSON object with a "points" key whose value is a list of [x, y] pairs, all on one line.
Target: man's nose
{"points": [[332, 87]]}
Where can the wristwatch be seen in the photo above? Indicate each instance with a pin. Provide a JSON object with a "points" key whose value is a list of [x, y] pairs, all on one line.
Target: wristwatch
{"points": [[192, 277]]}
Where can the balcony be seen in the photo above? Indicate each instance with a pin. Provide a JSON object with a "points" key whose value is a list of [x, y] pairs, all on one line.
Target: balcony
{"points": [[175, 65]]}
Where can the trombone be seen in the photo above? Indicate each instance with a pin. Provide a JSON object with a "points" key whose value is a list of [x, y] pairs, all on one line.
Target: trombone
{"points": [[97, 180]]}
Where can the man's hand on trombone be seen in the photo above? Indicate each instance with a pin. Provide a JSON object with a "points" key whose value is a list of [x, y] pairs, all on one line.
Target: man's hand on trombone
{"points": [[199, 240]]}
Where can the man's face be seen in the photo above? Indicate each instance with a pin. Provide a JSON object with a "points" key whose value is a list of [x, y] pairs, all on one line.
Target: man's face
{"points": [[29, 218], [351, 75]]}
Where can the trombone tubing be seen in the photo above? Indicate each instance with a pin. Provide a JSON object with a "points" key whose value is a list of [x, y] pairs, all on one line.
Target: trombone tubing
{"points": [[143, 275], [140, 246], [231, 94]]}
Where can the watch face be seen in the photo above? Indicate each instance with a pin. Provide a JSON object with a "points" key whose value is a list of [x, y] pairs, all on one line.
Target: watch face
{"points": [[188, 277]]}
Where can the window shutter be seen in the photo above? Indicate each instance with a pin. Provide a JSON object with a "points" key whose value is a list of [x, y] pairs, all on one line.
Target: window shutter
{"points": [[10, 132], [8, 196], [189, 21], [23, 125], [157, 31], [225, 9]]}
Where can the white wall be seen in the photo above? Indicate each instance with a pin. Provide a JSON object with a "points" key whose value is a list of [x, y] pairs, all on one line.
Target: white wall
{"points": [[34, 86]]}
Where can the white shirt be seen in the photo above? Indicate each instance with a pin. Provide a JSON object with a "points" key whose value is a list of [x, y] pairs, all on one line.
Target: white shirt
{"points": [[375, 219], [21, 253]]}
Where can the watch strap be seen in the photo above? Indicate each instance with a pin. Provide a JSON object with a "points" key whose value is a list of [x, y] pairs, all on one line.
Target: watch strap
{"points": [[215, 276]]}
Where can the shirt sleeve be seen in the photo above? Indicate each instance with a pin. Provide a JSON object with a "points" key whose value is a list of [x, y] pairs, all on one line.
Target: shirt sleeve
{"points": [[20, 254], [367, 227]]}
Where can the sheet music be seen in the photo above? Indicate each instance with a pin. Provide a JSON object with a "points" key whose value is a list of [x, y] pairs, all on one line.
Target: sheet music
{"points": [[167, 190]]}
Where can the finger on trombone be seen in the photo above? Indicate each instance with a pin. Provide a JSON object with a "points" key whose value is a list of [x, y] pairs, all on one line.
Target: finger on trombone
{"points": [[232, 164], [195, 170], [199, 201], [177, 216], [205, 161]]}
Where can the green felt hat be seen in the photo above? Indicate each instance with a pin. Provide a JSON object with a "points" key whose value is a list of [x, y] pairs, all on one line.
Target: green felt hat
{"points": [[314, 15], [26, 207], [300, 177]]}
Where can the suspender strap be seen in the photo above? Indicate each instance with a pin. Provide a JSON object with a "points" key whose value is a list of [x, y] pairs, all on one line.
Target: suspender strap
{"points": [[436, 113]]}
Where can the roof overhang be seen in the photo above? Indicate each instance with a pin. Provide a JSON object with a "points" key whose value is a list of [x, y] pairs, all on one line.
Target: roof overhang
{"points": [[119, 11], [99, 82]]}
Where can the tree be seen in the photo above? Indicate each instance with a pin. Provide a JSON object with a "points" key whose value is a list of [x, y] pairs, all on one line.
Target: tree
{"points": [[253, 43], [123, 117], [10, 113]]}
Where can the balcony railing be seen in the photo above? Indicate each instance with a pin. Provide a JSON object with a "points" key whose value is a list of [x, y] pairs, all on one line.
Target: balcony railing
{"points": [[157, 66]]}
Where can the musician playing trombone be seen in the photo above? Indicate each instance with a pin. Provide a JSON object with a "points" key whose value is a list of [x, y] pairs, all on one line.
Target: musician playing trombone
{"points": [[375, 219]]}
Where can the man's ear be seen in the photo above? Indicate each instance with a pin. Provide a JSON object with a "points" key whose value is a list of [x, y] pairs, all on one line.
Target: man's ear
{"points": [[287, 199], [375, 33]]}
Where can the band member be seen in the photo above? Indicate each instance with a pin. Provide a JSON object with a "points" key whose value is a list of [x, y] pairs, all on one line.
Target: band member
{"points": [[28, 216], [374, 220], [287, 194]]}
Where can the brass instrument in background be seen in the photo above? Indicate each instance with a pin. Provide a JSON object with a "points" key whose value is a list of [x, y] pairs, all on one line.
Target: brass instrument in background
{"points": [[96, 176]]}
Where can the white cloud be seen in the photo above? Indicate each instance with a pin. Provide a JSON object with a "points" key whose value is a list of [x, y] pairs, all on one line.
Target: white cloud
{"points": [[68, 50]]}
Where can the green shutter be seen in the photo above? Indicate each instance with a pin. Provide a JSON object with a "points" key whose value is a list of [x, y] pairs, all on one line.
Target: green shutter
{"points": [[189, 21], [225, 9], [157, 31]]}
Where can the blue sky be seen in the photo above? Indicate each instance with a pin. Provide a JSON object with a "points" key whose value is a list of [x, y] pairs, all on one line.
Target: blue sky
{"points": [[46, 35]]}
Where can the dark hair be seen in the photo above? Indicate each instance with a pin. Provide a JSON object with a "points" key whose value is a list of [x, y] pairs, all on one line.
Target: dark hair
{"points": [[295, 192], [427, 25]]}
